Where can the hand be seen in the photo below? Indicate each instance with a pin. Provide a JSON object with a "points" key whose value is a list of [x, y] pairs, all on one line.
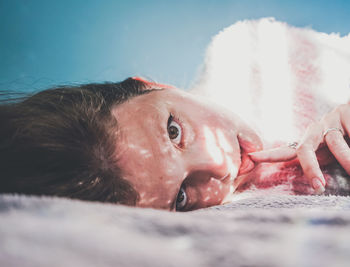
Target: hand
{"points": [[327, 135]]}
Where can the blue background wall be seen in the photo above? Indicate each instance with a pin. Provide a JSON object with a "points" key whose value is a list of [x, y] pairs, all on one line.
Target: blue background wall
{"points": [[45, 43]]}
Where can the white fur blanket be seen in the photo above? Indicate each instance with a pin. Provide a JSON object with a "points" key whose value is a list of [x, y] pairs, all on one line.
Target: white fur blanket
{"points": [[277, 77]]}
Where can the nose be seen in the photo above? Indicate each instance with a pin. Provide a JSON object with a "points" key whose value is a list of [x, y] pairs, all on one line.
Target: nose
{"points": [[208, 158], [204, 167]]}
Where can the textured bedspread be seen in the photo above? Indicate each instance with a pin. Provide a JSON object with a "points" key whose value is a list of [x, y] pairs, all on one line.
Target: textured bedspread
{"points": [[258, 230]]}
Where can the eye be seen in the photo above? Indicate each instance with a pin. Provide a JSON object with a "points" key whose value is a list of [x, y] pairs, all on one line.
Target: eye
{"points": [[181, 199], [174, 130]]}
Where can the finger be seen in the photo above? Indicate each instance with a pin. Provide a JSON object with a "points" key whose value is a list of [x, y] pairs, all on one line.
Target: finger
{"points": [[345, 120], [311, 168], [339, 148], [274, 155], [307, 156]]}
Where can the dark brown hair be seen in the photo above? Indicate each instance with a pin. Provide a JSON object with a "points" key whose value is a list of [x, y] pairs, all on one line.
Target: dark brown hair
{"points": [[62, 142]]}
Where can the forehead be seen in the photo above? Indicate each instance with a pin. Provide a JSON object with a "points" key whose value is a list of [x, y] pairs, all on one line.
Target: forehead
{"points": [[144, 152]]}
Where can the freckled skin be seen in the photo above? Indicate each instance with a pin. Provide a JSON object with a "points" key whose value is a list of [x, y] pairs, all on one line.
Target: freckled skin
{"points": [[158, 177]]}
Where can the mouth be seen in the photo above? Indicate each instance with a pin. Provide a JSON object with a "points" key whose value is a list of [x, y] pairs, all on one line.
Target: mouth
{"points": [[247, 164]]}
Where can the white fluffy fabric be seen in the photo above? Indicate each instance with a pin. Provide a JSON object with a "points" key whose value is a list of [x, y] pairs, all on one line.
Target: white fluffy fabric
{"points": [[277, 77]]}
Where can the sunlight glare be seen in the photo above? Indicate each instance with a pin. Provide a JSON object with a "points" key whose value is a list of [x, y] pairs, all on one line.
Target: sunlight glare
{"points": [[223, 142], [212, 147]]}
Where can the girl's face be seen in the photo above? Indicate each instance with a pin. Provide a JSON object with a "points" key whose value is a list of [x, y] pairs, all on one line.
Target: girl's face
{"points": [[180, 152]]}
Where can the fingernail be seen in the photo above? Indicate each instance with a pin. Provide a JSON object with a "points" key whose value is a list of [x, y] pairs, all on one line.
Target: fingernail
{"points": [[317, 185]]}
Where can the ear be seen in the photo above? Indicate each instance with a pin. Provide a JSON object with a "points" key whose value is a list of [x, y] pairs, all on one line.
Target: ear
{"points": [[249, 141], [152, 85]]}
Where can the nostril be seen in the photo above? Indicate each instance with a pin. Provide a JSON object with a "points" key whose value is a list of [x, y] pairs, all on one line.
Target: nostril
{"points": [[226, 179]]}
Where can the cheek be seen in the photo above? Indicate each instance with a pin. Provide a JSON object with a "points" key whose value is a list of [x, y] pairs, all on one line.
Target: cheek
{"points": [[216, 192], [210, 194]]}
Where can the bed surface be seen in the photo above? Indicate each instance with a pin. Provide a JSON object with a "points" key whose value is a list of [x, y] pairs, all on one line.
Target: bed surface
{"points": [[257, 230]]}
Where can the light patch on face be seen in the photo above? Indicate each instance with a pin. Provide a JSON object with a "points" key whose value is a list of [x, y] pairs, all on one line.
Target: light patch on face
{"points": [[132, 146], [224, 144], [165, 149], [229, 197], [233, 169], [206, 199], [170, 170], [149, 201], [139, 149], [143, 175], [144, 151], [169, 182], [211, 146]]}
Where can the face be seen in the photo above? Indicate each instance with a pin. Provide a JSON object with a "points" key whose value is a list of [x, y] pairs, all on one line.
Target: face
{"points": [[180, 152]]}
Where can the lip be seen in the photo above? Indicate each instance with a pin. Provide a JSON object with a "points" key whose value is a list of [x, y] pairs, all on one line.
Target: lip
{"points": [[247, 164]]}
